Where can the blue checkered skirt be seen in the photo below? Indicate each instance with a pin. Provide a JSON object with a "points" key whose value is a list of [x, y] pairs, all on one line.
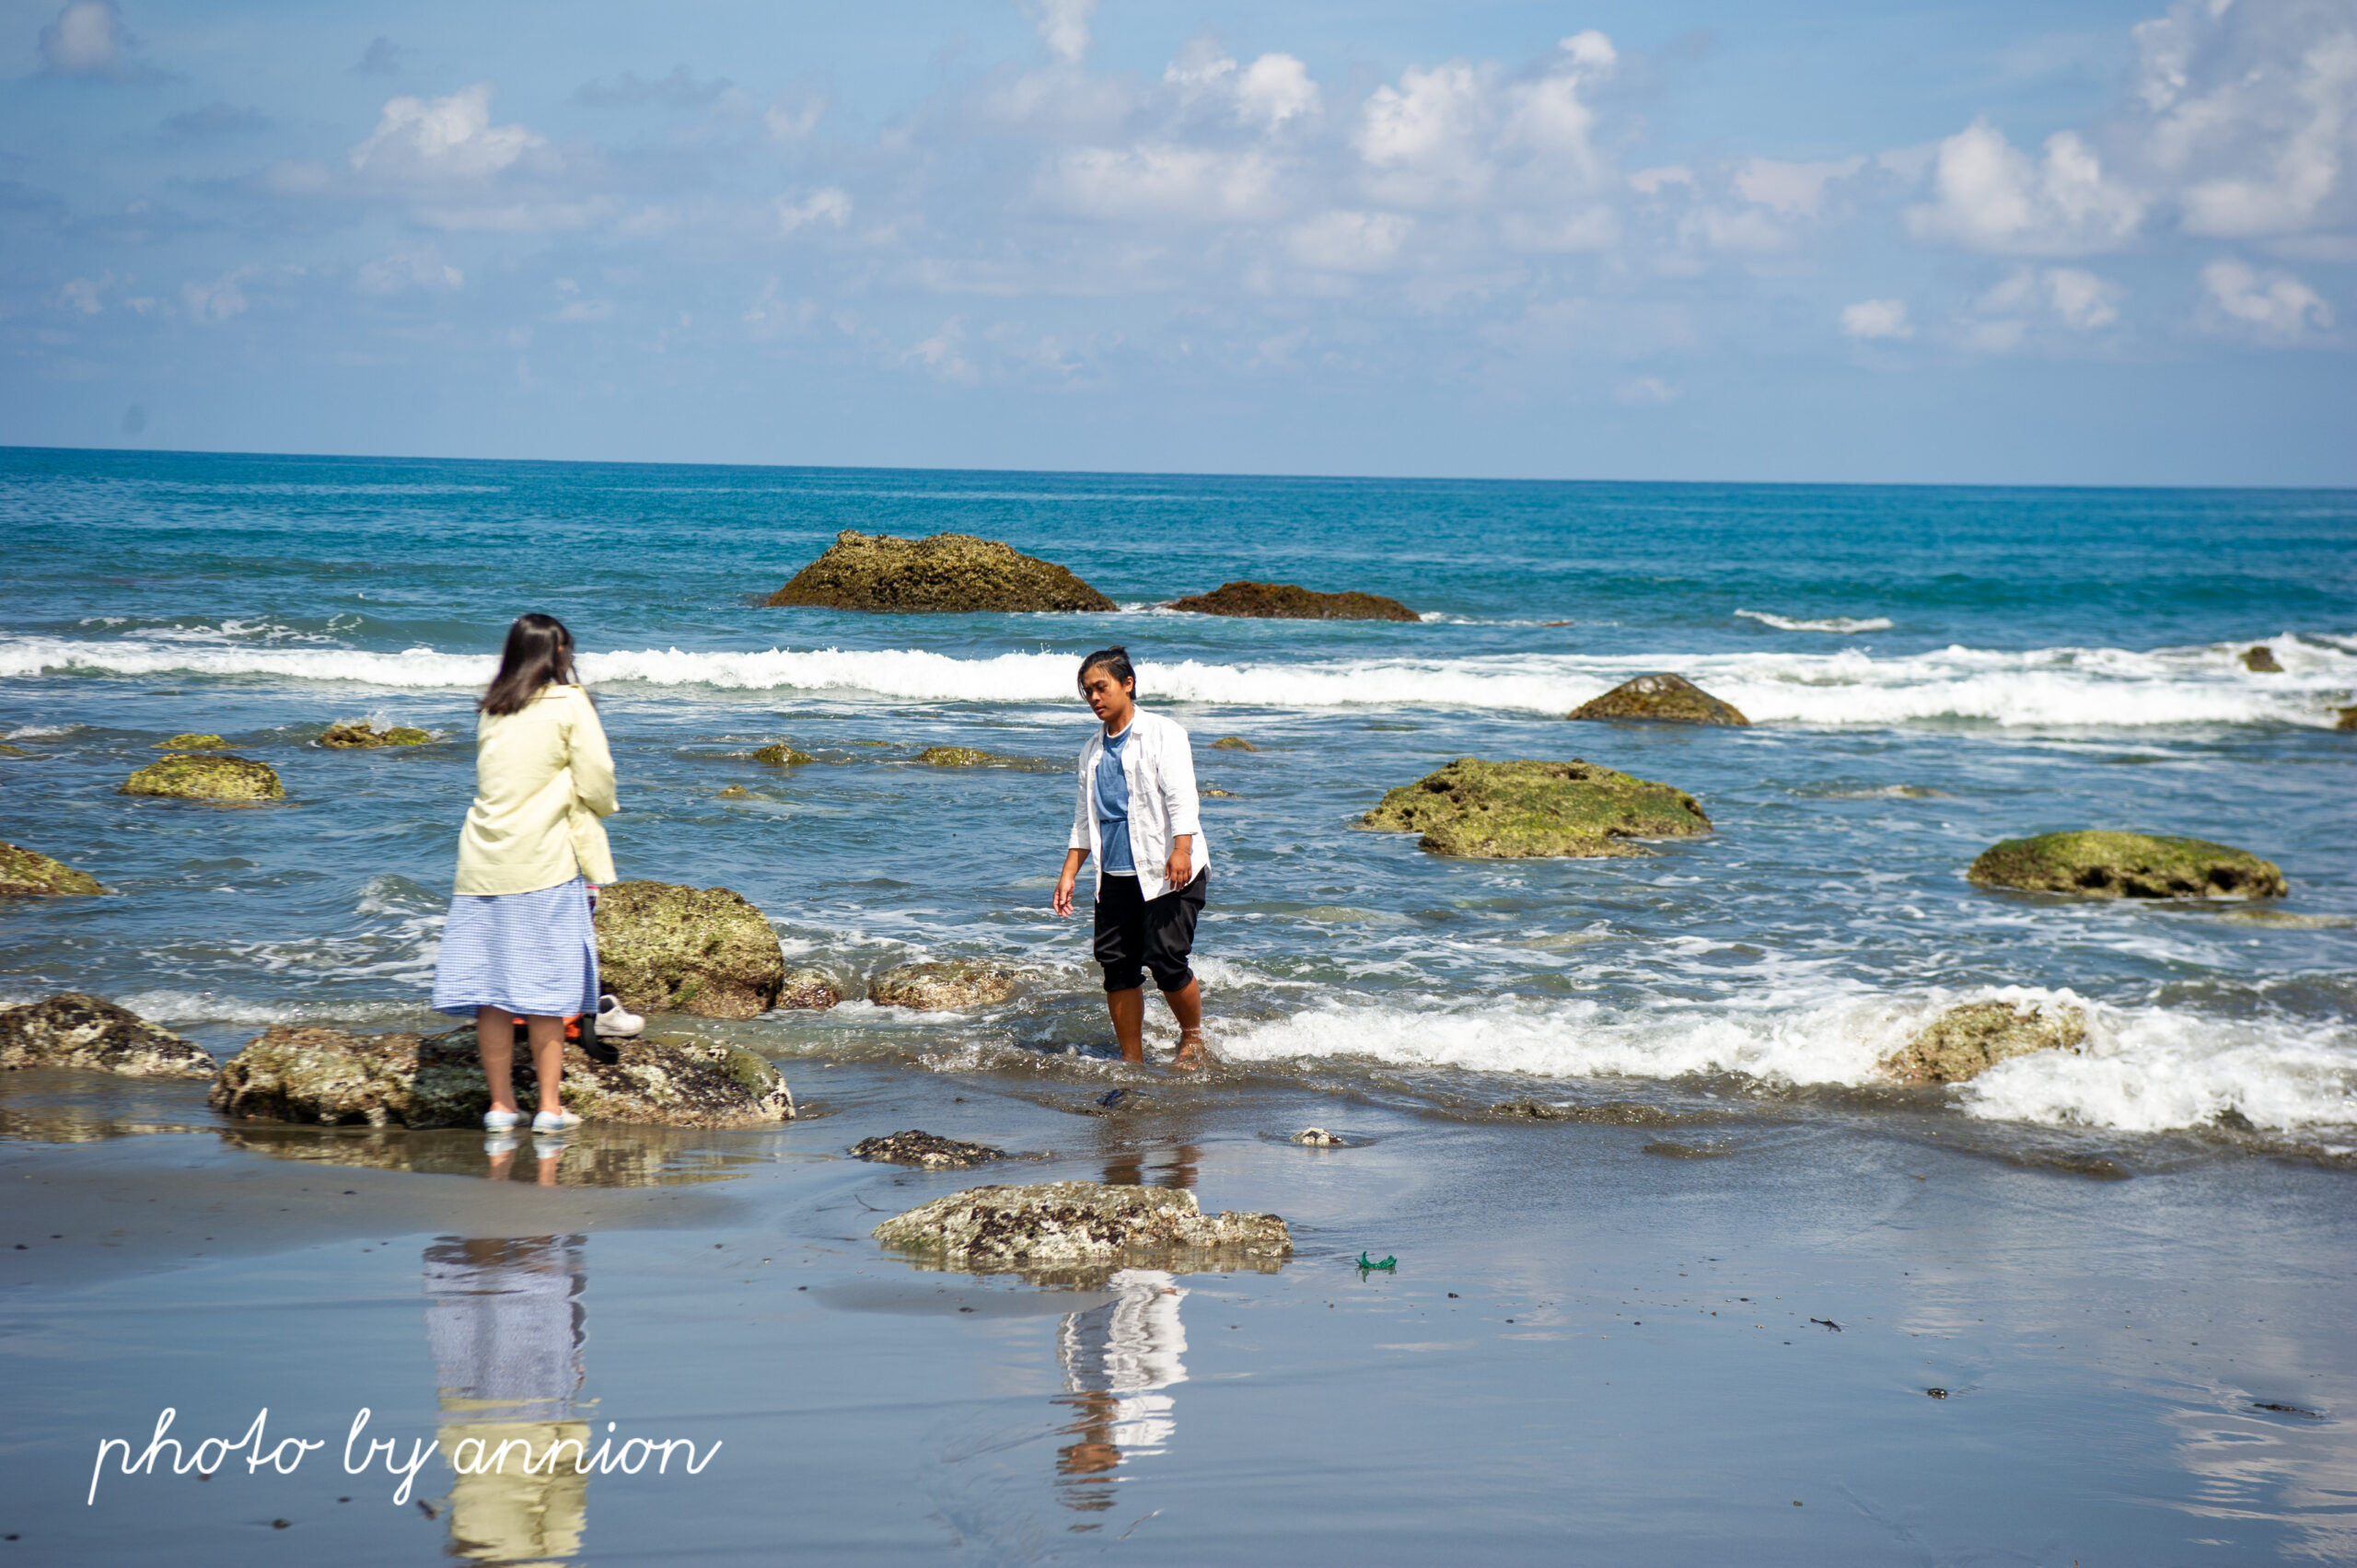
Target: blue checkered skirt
{"points": [[530, 953]]}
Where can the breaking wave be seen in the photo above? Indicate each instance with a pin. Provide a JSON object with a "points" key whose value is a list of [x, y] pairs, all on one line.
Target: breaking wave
{"points": [[1842, 623]]}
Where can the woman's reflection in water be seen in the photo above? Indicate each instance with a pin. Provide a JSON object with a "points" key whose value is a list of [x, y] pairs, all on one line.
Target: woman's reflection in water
{"points": [[505, 1321], [1119, 1357]]}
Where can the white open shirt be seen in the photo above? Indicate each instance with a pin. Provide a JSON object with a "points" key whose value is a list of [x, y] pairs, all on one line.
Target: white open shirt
{"points": [[1163, 802]]}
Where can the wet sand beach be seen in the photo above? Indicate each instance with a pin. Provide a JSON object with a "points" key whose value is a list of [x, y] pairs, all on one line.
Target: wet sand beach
{"points": [[1599, 1343]]}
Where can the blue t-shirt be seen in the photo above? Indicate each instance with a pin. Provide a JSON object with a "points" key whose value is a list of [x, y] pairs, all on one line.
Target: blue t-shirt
{"points": [[1112, 790]]}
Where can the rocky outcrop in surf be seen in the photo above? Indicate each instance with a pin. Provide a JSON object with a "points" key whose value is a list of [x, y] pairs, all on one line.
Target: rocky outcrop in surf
{"points": [[1966, 1042], [74, 1029], [1660, 699], [2259, 660], [942, 986], [968, 756], [335, 1077], [2101, 865], [192, 740], [1065, 1222], [360, 734], [707, 951], [925, 1150], [206, 778], [1287, 601], [945, 574], [1233, 743], [808, 991], [782, 755], [26, 873], [1519, 810]]}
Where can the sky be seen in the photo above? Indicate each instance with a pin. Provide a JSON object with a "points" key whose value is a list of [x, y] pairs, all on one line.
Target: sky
{"points": [[1852, 240]]}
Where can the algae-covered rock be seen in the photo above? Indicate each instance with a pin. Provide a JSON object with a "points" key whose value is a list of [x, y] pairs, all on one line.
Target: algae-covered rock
{"points": [[967, 757], [335, 1077], [1660, 699], [9, 750], [1213, 792], [781, 756], [1514, 810], [666, 949], [193, 741], [1078, 1222], [808, 990], [2126, 866], [945, 573], [950, 986], [1284, 601], [206, 778], [734, 792], [924, 1149], [2259, 660], [26, 873], [2345, 718], [72, 1030], [1965, 1042], [356, 735], [1233, 743]]}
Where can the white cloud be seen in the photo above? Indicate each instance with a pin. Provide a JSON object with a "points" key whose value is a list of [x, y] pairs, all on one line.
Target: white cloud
{"points": [[1063, 25], [87, 39], [943, 353], [82, 295], [828, 204], [1792, 190], [1870, 319], [421, 269], [1990, 196], [2273, 307], [1646, 391], [1348, 241], [1423, 140], [1273, 89], [1163, 181], [1654, 181], [436, 141], [216, 302], [2082, 299]]}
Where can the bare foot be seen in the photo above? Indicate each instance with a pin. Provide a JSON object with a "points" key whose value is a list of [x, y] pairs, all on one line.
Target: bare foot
{"points": [[1191, 1051]]}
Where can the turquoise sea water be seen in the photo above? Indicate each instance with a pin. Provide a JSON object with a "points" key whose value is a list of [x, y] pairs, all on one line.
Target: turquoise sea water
{"points": [[1929, 670]]}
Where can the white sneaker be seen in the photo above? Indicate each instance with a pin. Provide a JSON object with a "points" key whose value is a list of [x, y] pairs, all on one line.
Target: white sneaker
{"points": [[500, 1121], [499, 1144], [555, 1121], [614, 1020]]}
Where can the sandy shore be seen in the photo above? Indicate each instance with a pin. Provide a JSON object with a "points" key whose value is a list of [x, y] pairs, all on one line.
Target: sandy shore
{"points": [[1599, 1344]]}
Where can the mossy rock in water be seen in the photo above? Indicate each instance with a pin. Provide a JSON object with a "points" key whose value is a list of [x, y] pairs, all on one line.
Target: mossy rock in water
{"points": [[950, 986], [1286, 601], [781, 756], [1517, 810], [193, 741], [1079, 1222], [1233, 743], [734, 792], [929, 1150], [337, 1078], [967, 757], [358, 735], [30, 874], [2096, 863], [71, 1029], [945, 573], [666, 949], [1660, 699], [1966, 1042], [808, 991], [2259, 660], [206, 778], [2347, 718]]}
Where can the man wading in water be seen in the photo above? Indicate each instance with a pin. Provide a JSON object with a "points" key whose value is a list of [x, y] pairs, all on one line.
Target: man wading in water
{"points": [[1138, 814]]}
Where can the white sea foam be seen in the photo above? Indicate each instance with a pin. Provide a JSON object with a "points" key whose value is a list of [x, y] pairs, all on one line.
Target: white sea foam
{"points": [[2143, 1069], [2101, 687], [1842, 623]]}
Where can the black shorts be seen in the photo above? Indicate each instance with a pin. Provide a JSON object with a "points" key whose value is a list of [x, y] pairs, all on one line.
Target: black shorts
{"points": [[1133, 934]]}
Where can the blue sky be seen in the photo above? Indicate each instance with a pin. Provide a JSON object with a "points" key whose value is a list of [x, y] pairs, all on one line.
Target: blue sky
{"points": [[2006, 242]]}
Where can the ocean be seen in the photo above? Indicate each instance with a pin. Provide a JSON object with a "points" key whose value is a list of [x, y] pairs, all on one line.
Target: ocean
{"points": [[1929, 670]]}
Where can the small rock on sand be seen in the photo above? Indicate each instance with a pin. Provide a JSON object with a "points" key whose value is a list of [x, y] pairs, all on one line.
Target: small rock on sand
{"points": [[73, 1029], [1286, 601], [925, 1149], [1078, 1222], [942, 986], [945, 574], [2102, 864], [1514, 810], [26, 873], [1966, 1040], [1660, 699], [667, 948], [206, 778]]}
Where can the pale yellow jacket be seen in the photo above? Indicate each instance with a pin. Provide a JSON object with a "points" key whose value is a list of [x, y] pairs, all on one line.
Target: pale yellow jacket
{"points": [[543, 778]]}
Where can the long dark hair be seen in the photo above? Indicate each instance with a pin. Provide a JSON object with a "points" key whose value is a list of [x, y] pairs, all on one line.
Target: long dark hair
{"points": [[539, 651], [1116, 661]]}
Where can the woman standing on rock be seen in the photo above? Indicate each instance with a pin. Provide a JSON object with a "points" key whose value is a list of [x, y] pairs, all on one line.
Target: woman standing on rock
{"points": [[1139, 813], [518, 943]]}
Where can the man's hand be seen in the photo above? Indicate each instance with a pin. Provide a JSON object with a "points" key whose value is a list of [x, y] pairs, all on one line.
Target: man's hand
{"points": [[1181, 869], [1063, 894]]}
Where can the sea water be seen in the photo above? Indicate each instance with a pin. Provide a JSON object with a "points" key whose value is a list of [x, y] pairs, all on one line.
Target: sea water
{"points": [[1927, 671]]}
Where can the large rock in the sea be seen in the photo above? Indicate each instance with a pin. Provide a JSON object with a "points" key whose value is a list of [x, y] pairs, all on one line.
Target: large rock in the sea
{"points": [[335, 1077], [360, 734], [1063, 1223], [1516, 810], [945, 573], [206, 778], [1660, 699], [942, 986], [2102, 864], [71, 1029], [29, 873], [1286, 601], [1966, 1042], [666, 949]]}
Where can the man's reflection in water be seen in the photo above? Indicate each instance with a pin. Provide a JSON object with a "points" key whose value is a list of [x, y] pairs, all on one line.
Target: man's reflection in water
{"points": [[1119, 1357], [505, 1321]]}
